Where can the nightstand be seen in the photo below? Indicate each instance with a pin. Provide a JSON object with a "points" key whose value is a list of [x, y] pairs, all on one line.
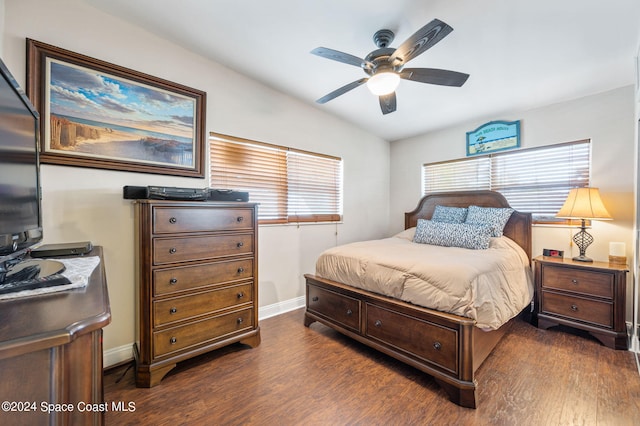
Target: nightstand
{"points": [[588, 296]]}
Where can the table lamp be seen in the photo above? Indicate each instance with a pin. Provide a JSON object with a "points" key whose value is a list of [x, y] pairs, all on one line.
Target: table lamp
{"points": [[583, 204]]}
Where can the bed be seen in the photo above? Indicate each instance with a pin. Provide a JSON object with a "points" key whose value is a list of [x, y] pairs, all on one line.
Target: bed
{"points": [[448, 346]]}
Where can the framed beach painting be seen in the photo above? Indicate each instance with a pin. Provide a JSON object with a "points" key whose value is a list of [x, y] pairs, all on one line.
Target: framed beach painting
{"points": [[96, 114]]}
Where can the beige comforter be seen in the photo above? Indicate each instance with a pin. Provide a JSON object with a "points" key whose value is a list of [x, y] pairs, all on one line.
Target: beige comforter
{"points": [[490, 286]]}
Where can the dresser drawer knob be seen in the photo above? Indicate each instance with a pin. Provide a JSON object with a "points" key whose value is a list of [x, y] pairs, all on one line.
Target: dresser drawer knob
{"points": [[239, 321], [173, 340], [315, 298], [240, 295], [173, 281], [378, 323], [240, 270], [574, 308], [574, 281], [437, 346], [173, 310], [173, 220], [349, 312], [240, 244], [172, 250], [240, 218]]}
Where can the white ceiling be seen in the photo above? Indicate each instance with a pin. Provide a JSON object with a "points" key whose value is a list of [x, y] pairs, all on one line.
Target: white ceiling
{"points": [[520, 53]]}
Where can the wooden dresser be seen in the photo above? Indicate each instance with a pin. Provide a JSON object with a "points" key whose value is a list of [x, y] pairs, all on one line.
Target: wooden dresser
{"points": [[197, 279], [51, 355], [589, 296]]}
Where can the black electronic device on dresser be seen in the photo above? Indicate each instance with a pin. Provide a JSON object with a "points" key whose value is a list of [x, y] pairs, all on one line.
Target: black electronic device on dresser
{"points": [[20, 186]]}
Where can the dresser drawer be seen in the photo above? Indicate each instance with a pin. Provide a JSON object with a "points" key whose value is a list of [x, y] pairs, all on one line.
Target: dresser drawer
{"points": [[336, 307], [170, 250], [591, 283], [167, 281], [184, 307], [201, 332], [172, 220], [590, 311], [403, 332]]}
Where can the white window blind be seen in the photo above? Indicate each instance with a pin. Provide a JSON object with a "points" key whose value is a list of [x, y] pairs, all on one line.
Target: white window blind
{"points": [[290, 185], [535, 180]]}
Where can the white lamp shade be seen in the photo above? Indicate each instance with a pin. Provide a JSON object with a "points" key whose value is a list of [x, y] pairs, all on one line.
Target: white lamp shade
{"points": [[584, 203], [383, 83]]}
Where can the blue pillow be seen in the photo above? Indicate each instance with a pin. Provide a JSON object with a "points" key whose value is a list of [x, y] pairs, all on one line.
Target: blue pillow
{"points": [[494, 217], [463, 235], [449, 214]]}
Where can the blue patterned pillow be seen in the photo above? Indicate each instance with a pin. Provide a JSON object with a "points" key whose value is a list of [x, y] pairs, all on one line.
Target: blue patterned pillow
{"points": [[452, 234], [449, 214], [495, 217]]}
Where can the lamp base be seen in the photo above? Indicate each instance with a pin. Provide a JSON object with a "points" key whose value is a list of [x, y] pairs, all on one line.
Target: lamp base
{"points": [[583, 258]]}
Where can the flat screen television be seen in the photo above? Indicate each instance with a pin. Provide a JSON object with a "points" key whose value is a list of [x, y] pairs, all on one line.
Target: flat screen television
{"points": [[20, 198]]}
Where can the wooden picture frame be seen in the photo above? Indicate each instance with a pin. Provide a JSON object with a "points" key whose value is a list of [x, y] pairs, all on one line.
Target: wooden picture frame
{"points": [[100, 115]]}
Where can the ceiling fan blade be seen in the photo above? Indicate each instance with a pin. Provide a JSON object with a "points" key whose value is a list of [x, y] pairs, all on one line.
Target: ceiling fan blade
{"points": [[341, 91], [336, 55], [388, 103], [434, 76], [420, 41]]}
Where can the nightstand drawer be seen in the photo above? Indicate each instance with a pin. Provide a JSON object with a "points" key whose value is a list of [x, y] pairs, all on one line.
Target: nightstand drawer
{"points": [[589, 311], [591, 283]]}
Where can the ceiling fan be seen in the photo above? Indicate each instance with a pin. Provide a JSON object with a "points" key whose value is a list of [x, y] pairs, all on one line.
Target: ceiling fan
{"points": [[385, 66]]}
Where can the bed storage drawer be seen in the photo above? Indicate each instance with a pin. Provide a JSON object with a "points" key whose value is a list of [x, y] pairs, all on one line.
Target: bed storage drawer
{"points": [[336, 307], [405, 333]]}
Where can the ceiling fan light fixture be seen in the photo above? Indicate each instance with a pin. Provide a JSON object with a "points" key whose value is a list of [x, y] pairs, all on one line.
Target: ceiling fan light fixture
{"points": [[383, 83]]}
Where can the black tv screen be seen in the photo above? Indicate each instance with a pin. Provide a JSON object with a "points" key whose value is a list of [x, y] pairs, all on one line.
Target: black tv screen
{"points": [[20, 208]]}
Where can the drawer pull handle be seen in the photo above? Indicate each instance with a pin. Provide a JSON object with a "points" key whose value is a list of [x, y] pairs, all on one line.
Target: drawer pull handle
{"points": [[349, 312], [574, 308], [315, 298], [240, 321], [240, 218], [240, 244], [240, 295], [173, 340], [172, 250], [437, 346], [378, 323], [240, 270], [173, 220], [173, 281], [574, 281], [173, 310]]}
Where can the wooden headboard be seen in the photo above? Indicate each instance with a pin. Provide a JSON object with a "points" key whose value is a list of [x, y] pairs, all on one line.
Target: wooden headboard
{"points": [[518, 228]]}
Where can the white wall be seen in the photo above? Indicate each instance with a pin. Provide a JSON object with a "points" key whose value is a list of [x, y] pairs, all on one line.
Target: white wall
{"points": [[607, 119], [86, 204]]}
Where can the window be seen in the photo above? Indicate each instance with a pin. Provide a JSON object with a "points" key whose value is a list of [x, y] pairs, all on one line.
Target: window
{"points": [[535, 180], [290, 185]]}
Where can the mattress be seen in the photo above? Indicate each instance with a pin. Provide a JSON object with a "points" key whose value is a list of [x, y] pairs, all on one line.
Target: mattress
{"points": [[490, 286]]}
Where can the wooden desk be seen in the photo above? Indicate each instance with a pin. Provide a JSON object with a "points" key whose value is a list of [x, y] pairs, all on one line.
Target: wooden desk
{"points": [[51, 353]]}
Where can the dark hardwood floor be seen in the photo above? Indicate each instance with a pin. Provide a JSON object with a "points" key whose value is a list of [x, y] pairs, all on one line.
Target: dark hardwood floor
{"points": [[316, 376]]}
